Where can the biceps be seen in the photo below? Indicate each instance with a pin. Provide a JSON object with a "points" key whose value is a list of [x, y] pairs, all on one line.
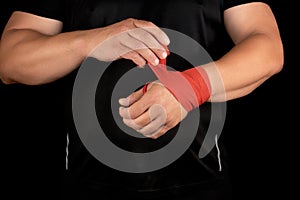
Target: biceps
{"points": [[248, 19], [21, 20]]}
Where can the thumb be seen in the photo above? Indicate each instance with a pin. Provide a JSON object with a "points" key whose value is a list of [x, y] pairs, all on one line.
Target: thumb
{"points": [[131, 98]]}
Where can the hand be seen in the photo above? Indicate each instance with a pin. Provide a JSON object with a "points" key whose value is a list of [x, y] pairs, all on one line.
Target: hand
{"points": [[136, 40], [152, 114]]}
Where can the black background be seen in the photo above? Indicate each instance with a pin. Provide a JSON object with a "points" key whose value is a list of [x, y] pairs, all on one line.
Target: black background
{"points": [[260, 132]]}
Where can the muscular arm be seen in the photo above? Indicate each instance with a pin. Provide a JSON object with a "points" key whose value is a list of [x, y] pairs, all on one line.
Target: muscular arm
{"points": [[34, 51], [257, 55]]}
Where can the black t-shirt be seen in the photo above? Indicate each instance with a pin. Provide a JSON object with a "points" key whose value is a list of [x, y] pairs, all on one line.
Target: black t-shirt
{"points": [[202, 20]]}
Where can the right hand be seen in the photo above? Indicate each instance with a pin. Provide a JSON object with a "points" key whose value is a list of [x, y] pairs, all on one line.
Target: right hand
{"points": [[132, 39]]}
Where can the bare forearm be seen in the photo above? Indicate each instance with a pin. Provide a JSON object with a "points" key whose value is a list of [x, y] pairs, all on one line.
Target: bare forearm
{"points": [[38, 57], [245, 67], [30, 57]]}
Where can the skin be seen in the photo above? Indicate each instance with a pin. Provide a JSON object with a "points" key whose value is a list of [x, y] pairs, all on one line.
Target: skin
{"points": [[256, 56], [34, 51]]}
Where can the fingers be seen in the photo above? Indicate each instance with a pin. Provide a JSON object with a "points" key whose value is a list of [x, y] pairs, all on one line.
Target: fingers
{"points": [[158, 118], [135, 57], [139, 47], [151, 129], [154, 30], [139, 122], [149, 122], [136, 40], [125, 102], [147, 42], [135, 110], [136, 104], [151, 42]]}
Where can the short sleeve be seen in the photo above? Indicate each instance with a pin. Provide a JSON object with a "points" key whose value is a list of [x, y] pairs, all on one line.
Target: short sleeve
{"points": [[53, 9], [231, 3]]}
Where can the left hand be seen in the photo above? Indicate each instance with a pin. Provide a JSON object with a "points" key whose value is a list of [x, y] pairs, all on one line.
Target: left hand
{"points": [[152, 114]]}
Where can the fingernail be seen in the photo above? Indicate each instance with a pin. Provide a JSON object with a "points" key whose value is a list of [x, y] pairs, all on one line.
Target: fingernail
{"points": [[123, 101], [120, 111], [156, 62], [167, 41], [164, 55]]}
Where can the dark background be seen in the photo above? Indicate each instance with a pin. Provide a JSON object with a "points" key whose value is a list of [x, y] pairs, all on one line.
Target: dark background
{"points": [[260, 132]]}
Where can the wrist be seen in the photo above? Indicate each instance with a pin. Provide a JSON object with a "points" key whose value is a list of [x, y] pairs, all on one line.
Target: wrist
{"points": [[86, 41], [193, 88], [199, 80]]}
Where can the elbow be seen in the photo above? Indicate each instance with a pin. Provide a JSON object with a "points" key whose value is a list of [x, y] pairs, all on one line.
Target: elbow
{"points": [[12, 73], [9, 75], [277, 60], [5, 68], [6, 81], [4, 73], [278, 65]]}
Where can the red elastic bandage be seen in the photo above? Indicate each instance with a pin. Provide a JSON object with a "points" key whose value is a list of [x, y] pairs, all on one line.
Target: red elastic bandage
{"points": [[145, 88], [191, 87]]}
